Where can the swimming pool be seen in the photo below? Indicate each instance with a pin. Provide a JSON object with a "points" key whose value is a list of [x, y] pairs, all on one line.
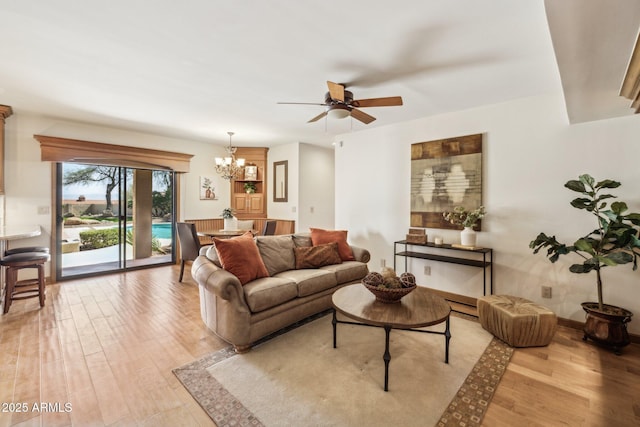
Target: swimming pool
{"points": [[160, 230]]}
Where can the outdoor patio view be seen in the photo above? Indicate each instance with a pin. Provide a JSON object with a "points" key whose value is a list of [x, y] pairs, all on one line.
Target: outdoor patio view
{"points": [[106, 213]]}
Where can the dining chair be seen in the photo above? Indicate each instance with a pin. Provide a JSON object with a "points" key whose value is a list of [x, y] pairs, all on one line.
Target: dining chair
{"points": [[269, 228], [189, 244]]}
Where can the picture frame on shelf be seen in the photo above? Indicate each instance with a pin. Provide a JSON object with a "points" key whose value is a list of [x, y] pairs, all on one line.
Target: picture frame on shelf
{"points": [[250, 173]]}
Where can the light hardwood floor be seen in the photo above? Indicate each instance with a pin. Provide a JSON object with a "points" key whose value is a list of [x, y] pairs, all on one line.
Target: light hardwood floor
{"points": [[568, 383], [107, 346]]}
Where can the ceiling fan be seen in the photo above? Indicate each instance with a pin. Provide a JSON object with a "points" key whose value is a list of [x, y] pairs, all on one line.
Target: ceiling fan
{"points": [[341, 102]]}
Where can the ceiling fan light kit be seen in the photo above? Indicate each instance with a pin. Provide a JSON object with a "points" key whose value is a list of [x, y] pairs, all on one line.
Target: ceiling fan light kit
{"points": [[339, 111], [340, 104]]}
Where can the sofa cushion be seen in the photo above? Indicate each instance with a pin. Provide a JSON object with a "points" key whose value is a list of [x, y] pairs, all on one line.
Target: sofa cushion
{"points": [[240, 257], [268, 292], [310, 281], [302, 240], [321, 237], [317, 256], [348, 271], [246, 224], [277, 253]]}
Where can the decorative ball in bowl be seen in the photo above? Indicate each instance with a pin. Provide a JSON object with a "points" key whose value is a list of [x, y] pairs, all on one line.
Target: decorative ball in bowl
{"points": [[389, 288]]}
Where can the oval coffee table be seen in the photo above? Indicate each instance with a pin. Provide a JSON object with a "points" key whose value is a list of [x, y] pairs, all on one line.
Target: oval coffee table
{"points": [[418, 309]]}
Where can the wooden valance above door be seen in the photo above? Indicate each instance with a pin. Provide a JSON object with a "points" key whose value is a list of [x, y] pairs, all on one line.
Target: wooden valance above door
{"points": [[54, 149]]}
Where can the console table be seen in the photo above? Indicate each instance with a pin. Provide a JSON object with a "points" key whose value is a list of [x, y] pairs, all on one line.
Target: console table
{"points": [[481, 258]]}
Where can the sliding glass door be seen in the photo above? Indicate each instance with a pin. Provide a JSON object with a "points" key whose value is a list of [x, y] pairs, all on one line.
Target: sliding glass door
{"points": [[112, 218]]}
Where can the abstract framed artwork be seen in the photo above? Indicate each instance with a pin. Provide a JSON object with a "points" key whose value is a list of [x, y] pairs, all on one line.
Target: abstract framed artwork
{"points": [[207, 189], [445, 173]]}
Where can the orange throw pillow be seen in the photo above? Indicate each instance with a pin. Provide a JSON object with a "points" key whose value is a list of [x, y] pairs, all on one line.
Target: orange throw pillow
{"points": [[240, 257], [322, 237]]}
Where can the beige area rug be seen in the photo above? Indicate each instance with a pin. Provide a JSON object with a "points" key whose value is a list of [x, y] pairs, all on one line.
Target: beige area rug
{"points": [[299, 379]]}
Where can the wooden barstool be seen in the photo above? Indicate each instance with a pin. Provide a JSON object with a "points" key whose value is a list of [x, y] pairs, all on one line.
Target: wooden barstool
{"points": [[29, 288]]}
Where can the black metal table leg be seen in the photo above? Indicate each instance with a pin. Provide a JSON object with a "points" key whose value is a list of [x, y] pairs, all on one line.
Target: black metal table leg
{"points": [[334, 322], [447, 337], [386, 357]]}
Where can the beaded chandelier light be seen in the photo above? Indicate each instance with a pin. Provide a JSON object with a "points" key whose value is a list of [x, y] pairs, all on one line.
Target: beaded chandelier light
{"points": [[229, 167]]}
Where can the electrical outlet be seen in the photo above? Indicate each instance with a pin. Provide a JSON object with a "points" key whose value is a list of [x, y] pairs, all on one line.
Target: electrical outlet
{"points": [[546, 292], [383, 263], [427, 270], [43, 210]]}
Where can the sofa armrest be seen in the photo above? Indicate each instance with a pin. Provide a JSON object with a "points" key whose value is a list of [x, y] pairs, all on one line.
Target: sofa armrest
{"points": [[361, 254], [219, 281], [204, 249]]}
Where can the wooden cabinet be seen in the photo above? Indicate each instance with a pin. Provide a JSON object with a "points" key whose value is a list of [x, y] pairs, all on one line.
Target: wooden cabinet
{"points": [[251, 205], [5, 111]]}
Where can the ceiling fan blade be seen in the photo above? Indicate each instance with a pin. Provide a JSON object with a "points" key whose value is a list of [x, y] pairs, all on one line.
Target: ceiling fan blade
{"points": [[362, 116], [302, 103], [318, 117], [378, 102], [336, 91]]}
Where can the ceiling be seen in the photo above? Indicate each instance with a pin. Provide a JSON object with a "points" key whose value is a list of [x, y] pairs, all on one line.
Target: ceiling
{"points": [[199, 68]]}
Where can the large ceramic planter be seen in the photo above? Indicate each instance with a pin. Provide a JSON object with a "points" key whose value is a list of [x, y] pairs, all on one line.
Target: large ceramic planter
{"points": [[608, 326]]}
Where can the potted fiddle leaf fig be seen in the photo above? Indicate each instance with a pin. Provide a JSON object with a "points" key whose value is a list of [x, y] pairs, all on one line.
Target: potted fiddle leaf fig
{"points": [[614, 241]]}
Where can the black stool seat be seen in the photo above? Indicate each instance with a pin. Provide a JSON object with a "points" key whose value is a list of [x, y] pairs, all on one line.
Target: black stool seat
{"points": [[27, 249], [26, 258], [16, 290]]}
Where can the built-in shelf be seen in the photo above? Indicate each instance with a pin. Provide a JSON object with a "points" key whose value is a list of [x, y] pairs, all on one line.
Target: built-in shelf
{"points": [[251, 205]]}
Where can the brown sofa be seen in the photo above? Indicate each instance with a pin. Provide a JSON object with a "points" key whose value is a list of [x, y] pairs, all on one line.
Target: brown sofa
{"points": [[242, 314]]}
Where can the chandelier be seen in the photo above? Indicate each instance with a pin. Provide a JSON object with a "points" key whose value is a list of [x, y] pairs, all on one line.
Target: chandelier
{"points": [[229, 167]]}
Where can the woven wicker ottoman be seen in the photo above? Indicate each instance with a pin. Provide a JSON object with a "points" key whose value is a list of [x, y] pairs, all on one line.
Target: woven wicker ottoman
{"points": [[517, 321]]}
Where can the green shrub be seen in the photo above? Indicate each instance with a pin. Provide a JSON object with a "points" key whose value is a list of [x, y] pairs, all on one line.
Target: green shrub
{"points": [[96, 239], [156, 246]]}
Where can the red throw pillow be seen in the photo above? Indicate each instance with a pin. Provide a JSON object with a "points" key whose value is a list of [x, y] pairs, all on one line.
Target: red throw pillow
{"points": [[321, 237], [240, 257]]}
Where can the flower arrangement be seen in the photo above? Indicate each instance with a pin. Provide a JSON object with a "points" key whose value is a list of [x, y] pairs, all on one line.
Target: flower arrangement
{"points": [[227, 213], [461, 216]]}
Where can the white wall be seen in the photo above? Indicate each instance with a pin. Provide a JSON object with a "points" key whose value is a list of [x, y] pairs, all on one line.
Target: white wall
{"points": [[529, 152], [317, 189], [28, 180], [311, 185]]}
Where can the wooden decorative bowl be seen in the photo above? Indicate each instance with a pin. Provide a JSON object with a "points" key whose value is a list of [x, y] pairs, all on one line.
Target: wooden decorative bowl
{"points": [[389, 296]]}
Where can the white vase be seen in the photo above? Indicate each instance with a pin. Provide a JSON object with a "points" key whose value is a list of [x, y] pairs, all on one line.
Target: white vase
{"points": [[468, 237], [231, 224]]}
